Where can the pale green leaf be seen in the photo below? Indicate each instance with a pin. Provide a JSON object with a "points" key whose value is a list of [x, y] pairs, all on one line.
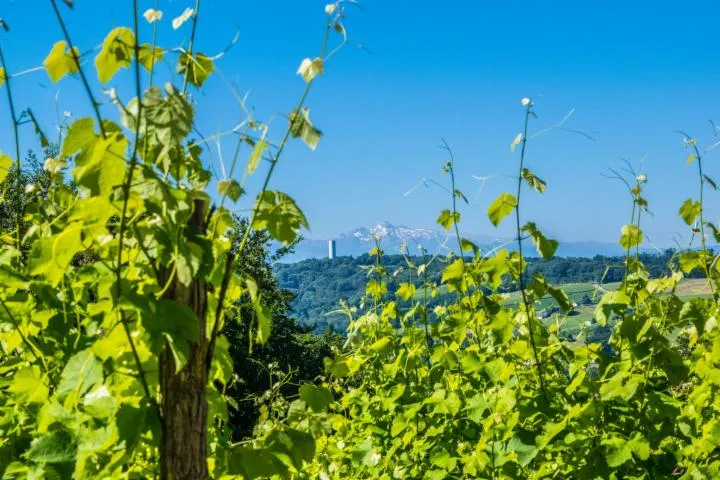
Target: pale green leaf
{"points": [[501, 207], [149, 56], [82, 372], [516, 142], [230, 188], [447, 219], [309, 69], [28, 385], [690, 211], [195, 68], [545, 247], [617, 451], [256, 156], [5, 166], [630, 236], [103, 169], [300, 126], [60, 61], [99, 403], [80, 135], [406, 291], [317, 398], [280, 216], [116, 53], [534, 182], [454, 271], [51, 256]]}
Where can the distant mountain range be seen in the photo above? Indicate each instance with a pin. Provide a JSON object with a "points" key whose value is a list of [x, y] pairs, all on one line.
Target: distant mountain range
{"points": [[393, 238]]}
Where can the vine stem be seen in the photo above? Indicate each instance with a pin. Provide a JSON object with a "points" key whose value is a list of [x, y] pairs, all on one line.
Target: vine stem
{"points": [[425, 304], [154, 44], [635, 207], [627, 250], [233, 258], [528, 310], [191, 45], [123, 219], [702, 224], [86, 84], [18, 162], [455, 213]]}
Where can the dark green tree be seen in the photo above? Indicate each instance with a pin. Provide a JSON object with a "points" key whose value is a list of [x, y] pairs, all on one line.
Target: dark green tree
{"points": [[291, 349], [22, 188]]}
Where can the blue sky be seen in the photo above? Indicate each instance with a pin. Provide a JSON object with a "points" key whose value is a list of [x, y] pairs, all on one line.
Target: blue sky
{"points": [[632, 71]]}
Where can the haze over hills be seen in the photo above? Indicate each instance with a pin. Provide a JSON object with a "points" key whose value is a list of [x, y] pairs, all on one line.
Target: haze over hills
{"points": [[393, 238]]}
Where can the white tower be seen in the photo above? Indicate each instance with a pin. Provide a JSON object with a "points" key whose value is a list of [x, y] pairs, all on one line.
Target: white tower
{"points": [[331, 249]]}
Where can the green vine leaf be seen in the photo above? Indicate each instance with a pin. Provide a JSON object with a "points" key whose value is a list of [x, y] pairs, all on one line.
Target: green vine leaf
{"points": [[29, 386], [103, 168], [172, 317], [453, 273], [300, 126], [280, 216], [254, 463], [55, 447], [51, 256], [263, 314], [630, 236], [230, 188], [60, 61], [116, 53], [617, 451], [612, 302], [545, 247], [447, 219], [195, 68], [256, 156], [82, 372], [149, 56], [541, 288], [5, 166], [317, 398], [534, 182], [690, 211], [406, 291], [501, 208], [79, 137], [99, 403], [516, 141], [309, 69]]}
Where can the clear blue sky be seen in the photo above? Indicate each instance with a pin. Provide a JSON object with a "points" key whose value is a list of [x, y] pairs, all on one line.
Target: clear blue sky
{"points": [[633, 72]]}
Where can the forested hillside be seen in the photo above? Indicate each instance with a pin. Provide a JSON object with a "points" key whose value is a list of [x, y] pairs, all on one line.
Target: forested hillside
{"points": [[319, 285]]}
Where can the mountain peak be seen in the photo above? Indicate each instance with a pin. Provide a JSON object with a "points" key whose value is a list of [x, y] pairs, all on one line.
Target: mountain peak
{"points": [[395, 239]]}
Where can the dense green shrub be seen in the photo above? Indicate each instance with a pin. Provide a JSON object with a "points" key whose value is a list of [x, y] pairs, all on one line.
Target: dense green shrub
{"points": [[118, 284], [479, 388]]}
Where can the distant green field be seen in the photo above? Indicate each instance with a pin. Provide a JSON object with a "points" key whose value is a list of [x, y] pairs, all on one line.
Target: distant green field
{"points": [[586, 295]]}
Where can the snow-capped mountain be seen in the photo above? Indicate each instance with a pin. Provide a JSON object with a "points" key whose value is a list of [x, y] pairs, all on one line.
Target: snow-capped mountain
{"points": [[395, 239]]}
